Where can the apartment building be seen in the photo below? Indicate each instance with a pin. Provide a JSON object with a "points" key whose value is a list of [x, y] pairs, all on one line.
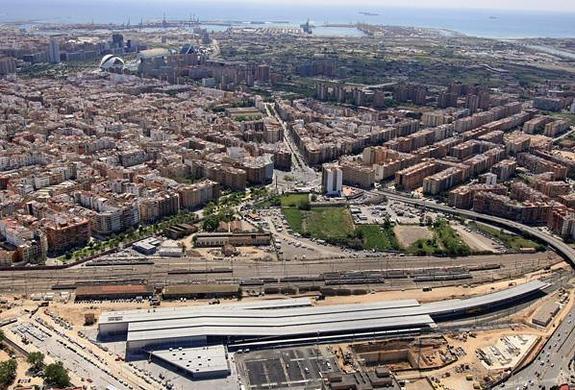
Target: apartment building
{"points": [[505, 207], [540, 165], [65, 232], [442, 181], [555, 128], [410, 178], [198, 194], [504, 169], [462, 197], [358, 175], [332, 179], [29, 244]]}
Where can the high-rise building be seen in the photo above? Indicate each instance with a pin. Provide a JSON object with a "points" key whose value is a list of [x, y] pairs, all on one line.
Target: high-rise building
{"points": [[489, 178], [447, 99], [472, 103], [54, 51], [484, 100], [332, 180], [263, 73], [7, 65], [118, 41]]}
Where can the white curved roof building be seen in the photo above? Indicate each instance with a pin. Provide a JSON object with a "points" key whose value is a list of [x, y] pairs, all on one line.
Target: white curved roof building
{"points": [[109, 61]]}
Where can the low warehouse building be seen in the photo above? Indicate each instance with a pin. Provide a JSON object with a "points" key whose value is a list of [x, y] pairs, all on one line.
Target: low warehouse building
{"points": [[147, 246], [201, 291], [170, 248], [181, 230], [113, 291], [235, 239], [201, 362], [545, 314]]}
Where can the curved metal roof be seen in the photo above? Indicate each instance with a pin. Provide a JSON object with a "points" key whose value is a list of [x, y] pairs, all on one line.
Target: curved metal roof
{"points": [[284, 321], [110, 60]]}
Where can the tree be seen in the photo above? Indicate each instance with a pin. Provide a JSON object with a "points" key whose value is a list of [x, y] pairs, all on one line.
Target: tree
{"points": [[226, 215], [36, 360], [211, 223], [56, 375], [209, 209], [7, 373], [2, 337]]}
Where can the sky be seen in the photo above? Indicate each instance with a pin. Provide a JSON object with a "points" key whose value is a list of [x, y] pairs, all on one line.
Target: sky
{"points": [[542, 5]]}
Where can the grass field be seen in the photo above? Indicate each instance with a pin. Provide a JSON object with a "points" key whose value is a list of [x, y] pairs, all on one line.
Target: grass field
{"points": [[294, 200], [445, 241], [328, 223], [512, 241], [335, 225], [294, 217], [450, 240], [424, 247], [378, 238]]}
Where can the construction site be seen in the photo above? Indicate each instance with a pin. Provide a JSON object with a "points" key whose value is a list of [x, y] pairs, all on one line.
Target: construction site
{"points": [[452, 337]]}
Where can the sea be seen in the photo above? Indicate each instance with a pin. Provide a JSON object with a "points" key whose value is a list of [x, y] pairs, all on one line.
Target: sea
{"points": [[474, 22]]}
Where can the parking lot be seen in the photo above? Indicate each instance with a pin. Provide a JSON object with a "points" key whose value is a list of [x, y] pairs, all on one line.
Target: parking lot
{"points": [[291, 245], [285, 368], [392, 211]]}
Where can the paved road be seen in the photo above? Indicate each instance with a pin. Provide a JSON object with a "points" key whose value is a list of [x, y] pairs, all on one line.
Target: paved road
{"points": [[568, 133], [302, 172], [552, 365]]}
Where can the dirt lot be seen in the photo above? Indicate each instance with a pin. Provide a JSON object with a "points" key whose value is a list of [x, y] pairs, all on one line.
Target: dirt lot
{"points": [[244, 253], [408, 234], [475, 241], [421, 384]]}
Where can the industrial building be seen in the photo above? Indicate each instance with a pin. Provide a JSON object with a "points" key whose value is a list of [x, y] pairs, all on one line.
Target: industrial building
{"points": [[201, 291], [545, 314], [235, 239], [274, 323], [116, 322], [180, 230], [201, 363], [146, 246], [113, 291]]}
